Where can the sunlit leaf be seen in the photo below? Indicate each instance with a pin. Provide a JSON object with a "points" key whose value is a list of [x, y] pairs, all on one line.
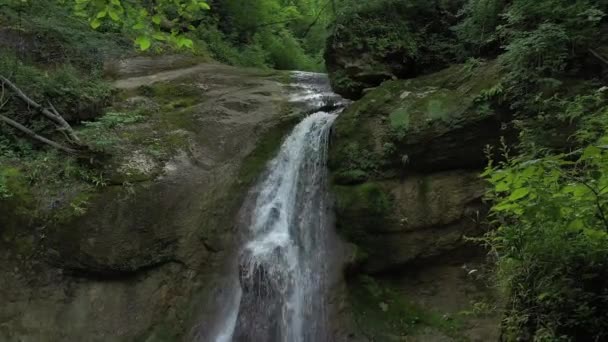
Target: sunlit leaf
{"points": [[143, 42]]}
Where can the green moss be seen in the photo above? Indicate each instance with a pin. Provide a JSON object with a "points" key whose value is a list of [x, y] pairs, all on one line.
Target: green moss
{"points": [[18, 199], [382, 313], [400, 119], [361, 209], [404, 113], [17, 207], [349, 177], [173, 95], [369, 197]]}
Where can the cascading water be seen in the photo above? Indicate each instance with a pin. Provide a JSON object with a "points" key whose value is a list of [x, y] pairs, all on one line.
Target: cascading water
{"points": [[285, 264]]}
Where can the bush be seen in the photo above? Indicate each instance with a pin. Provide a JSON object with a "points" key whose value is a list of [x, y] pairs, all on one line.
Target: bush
{"points": [[477, 30], [551, 242], [47, 33], [285, 52], [76, 94]]}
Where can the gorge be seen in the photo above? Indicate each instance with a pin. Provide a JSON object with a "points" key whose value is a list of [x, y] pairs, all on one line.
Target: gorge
{"points": [[307, 170]]}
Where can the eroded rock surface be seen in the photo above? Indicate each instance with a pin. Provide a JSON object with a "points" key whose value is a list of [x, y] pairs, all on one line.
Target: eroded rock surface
{"points": [[406, 162], [146, 257]]}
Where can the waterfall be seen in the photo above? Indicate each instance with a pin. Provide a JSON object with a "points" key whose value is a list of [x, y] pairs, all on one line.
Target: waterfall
{"points": [[284, 266]]}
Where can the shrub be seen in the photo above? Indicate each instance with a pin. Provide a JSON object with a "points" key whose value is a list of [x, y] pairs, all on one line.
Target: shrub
{"points": [[551, 243]]}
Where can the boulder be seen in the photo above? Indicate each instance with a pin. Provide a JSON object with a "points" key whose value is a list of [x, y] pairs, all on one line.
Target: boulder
{"points": [[405, 162], [436, 122]]}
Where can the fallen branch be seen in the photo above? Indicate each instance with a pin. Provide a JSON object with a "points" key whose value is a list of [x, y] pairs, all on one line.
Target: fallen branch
{"points": [[598, 56], [2, 101], [35, 136], [51, 113]]}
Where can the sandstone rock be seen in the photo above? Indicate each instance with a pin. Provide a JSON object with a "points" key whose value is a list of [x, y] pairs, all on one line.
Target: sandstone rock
{"points": [[398, 222]]}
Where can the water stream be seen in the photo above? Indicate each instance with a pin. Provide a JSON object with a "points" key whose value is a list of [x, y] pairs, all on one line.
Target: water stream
{"points": [[285, 265]]}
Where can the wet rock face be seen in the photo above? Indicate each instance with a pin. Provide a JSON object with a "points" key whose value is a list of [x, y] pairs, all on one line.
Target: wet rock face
{"points": [[259, 322], [144, 260], [382, 41], [422, 216], [405, 162]]}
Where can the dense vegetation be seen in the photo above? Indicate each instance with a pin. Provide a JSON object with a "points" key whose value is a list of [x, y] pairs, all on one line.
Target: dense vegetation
{"points": [[550, 191], [548, 184], [54, 52]]}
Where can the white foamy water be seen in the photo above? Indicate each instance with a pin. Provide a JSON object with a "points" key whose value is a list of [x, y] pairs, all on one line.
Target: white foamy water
{"points": [[283, 265]]}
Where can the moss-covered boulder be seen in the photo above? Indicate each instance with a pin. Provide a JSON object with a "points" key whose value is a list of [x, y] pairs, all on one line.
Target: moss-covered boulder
{"points": [[431, 123], [405, 161], [377, 41]]}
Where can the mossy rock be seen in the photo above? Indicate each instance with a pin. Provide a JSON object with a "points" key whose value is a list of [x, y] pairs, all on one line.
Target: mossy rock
{"points": [[360, 209], [384, 313], [435, 122], [16, 201], [394, 223]]}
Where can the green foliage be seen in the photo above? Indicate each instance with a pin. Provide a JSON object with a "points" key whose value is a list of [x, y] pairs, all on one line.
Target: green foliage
{"points": [[552, 237], [162, 21], [477, 30], [76, 94], [45, 33], [416, 30], [267, 33], [4, 190], [541, 41], [260, 33], [102, 134], [383, 312]]}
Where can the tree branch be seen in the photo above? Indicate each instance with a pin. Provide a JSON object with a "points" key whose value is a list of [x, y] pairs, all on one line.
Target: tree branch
{"points": [[51, 114], [598, 56], [597, 203], [316, 19], [2, 101], [35, 136]]}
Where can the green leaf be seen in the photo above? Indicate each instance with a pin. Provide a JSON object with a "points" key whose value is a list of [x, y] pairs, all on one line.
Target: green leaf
{"points": [[95, 23], [113, 15], [501, 187], [159, 36], [185, 42], [156, 19], [519, 194], [577, 224], [505, 206], [143, 42], [591, 152]]}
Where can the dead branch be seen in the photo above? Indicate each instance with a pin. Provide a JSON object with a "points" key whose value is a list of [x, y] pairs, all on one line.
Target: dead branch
{"points": [[598, 56], [35, 136], [50, 113], [2, 101]]}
